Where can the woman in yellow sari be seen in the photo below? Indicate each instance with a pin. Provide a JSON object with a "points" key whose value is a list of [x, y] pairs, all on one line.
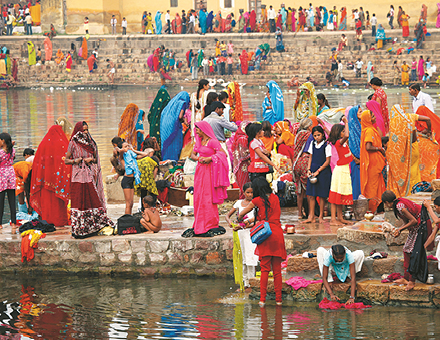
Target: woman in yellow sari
{"points": [[405, 73], [399, 152], [429, 145], [372, 158], [32, 54], [306, 103], [59, 56], [234, 101], [149, 27]]}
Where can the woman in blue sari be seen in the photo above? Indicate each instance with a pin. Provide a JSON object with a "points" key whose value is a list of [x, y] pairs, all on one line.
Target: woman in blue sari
{"points": [[171, 126], [158, 22], [140, 129], [380, 36], [343, 23], [354, 142], [209, 20], [202, 20], [325, 17], [279, 36], [273, 104]]}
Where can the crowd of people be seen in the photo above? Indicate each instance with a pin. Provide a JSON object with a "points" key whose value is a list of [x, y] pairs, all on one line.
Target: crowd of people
{"points": [[16, 15]]}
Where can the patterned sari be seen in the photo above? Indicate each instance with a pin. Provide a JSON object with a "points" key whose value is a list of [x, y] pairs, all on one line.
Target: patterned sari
{"points": [[382, 96], [301, 160], [162, 99], [234, 100], [435, 124], [241, 158], [307, 105], [127, 124], [399, 152]]}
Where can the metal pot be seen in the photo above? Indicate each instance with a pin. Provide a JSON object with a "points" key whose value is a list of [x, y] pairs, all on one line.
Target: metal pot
{"points": [[348, 215], [369, 216], [430, 280], [313, 180]]}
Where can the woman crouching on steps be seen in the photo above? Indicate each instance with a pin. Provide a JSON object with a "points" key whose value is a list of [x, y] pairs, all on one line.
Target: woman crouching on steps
{"points": [[410, 214], [272, 251]]}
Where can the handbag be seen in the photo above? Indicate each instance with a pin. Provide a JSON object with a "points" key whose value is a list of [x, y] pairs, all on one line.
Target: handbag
{"points": [[128, 224], [260, 231]]}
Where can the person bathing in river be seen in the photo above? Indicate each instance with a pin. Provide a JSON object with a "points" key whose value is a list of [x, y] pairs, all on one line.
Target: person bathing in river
{"points": [[150, 216], [344, 263]]}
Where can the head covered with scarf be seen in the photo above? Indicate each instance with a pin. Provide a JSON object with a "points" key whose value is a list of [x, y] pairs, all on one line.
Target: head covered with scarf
{"points": [[307, 103], [354, 125], [287, 136], [83, 138], [277, 99]]}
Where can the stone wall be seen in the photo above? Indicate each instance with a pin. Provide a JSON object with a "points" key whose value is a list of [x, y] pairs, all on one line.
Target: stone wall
{"points": [[144, 255]]}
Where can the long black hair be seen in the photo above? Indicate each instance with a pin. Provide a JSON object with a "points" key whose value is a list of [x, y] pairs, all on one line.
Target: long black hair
{"points": [[322, 97], [202, 84], [261, 188], [210, 98], [267, 128], [338, 250], [6, 137], [319, 129], [252, 130], [390, 197], [335, 133]]}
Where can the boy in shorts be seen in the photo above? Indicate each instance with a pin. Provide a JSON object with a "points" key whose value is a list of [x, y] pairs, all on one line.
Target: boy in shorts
{"points": [[111, 73], [150, 217]]}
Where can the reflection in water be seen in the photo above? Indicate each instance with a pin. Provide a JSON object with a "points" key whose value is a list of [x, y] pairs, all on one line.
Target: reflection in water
{"points": [[106, 308]]}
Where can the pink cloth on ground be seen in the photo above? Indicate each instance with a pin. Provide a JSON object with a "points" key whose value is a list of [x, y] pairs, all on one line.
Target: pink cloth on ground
{"points": [[334, 305], [298, 282], [284, 263]]}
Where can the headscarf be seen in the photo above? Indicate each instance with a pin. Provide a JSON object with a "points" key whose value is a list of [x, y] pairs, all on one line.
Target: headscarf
{"points": [[65, 125], [219, 164], [287, 136], [162, 99], [158, 22], [127, 124], [374, 107], [354, 126], [307, 106], [83, 139], [277, 100], [171, 127], [209, 19]]}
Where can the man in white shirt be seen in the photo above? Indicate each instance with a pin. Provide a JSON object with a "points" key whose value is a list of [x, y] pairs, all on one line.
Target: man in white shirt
{"points": [[359, 64], [168, 21], [340, 70], [373, 22], [113, 23], [28, 24], [271, 15], [420, 98], [191, 24]]}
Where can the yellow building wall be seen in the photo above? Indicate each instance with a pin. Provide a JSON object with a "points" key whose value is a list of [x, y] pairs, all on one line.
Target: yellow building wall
{"points": [[100, 12]]}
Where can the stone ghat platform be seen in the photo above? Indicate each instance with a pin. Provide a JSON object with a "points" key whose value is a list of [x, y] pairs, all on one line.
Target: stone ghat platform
{"points": [[368, 291]]}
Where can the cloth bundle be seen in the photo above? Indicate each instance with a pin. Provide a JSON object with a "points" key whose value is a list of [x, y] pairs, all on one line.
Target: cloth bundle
{"points": [[334, 305], [298, 282]]}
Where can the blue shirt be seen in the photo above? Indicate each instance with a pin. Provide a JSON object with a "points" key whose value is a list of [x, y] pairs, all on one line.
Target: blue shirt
{"points": [[131, 166], [342, 269]]}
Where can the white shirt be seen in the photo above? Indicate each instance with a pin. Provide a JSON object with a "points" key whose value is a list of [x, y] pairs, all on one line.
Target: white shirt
{"points": [[391, 12], [340, 67], [124, 23], [373, 21], [356, 15], [167, 17], [328, 148], [271, 14], [359, 64], [113, 21], [192, 19], [422, 99]]}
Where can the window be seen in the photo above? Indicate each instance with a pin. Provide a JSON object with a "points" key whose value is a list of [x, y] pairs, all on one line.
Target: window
{"points": [[228, 3], [174, 3]]}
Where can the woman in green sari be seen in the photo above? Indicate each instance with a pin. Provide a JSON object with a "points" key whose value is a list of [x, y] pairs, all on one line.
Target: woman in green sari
{"points": [[32, 54], [200, 58], [306, 102], [162, 99]]}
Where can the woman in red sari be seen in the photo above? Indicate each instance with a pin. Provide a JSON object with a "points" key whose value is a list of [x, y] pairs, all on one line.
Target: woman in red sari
{"points": [[88, 212], [244, 59], [178, 24], [50, 183], [156, 58], [253, 20], [228, 27], [381, 97], [279, 22], [242, 158]]}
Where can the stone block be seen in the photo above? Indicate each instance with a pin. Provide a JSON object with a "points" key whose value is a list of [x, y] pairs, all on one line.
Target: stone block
{"points": [[309, 293], [420, 294], [138, 246], [183, 245], [373, 291], [113, 189], [229, 254], [156, 258], [141, 259], [125, 258], [205, 245], [436, 295], [159, 246], [107, 259], [227, 244], [196, 257], [298, 263], [359, 236], [87, 258], [147, 271], [174, 258], [384, 266], [213, 258], [396, 241], [103, 246], [63, 246], [85, 247], [341, 290], [120, 244]]}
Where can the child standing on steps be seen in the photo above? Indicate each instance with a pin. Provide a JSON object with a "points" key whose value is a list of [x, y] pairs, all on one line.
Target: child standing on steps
{"points": [[250, 260], [341, 192], [319, 167]]}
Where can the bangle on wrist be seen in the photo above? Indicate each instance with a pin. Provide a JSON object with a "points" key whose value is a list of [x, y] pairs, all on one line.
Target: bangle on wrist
{"points": [[352, 297]]}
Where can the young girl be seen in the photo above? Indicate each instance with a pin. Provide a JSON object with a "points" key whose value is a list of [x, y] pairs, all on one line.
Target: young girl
{"points": [[319, 167], [7, 178], [259, 160], [268, 138], [271, 251], [250, 260], [341, 192]]}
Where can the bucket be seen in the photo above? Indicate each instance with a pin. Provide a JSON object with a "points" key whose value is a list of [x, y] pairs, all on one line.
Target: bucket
{"points": [[360, 207]]}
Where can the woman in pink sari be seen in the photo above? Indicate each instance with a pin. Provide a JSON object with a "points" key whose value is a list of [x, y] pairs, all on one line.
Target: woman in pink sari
{"points": [[374, 107], [380, 96], [293, 20], [421, 68], [178, 24], [253, 20], [241, 157], [210, 182], [437, 24], [244, 62]]}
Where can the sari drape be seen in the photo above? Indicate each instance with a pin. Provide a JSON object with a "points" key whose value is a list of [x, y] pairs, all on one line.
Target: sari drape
{"points": [[405, 26], [372, 163], [47, 49], [68, 62], [307, 106], [50, 183], [178, 24], [287, 136], [162, 99], [59, 56], [202, 21], [85, 52], [241, 157], [253, 20], [276, 102], [301, 160], [399, 152], [380, 93], [171, 127], [343, 22], [374, 107], [354, 142], [158, 21], [437, 24], [234, 101], [127, 124], [244, 62], [435, 126], [32, 53]]}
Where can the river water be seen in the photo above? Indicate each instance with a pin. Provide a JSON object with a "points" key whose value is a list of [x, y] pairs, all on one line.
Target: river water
{"points": [[118, 308]]}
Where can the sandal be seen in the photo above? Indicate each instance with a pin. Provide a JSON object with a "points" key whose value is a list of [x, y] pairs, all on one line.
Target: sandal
{"points": [[188, 233]]}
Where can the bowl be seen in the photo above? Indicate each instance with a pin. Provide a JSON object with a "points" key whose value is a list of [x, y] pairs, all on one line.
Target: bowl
{"points": [[313, 180], [369, 216]]}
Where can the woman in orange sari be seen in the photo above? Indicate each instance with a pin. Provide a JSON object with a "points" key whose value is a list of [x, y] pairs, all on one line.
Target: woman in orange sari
{"points": [[427, 162], [372, 161], [178, 24], [405, 25], [47, 49], [84, 53], [59, 56]]}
